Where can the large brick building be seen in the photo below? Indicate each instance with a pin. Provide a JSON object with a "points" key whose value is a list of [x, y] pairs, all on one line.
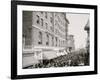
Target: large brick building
{"points": [[42, 31]]}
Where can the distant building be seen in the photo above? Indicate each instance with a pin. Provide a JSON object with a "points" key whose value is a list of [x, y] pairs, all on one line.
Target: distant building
{"points": [[70, 43], [87, 28], [43, 30]]}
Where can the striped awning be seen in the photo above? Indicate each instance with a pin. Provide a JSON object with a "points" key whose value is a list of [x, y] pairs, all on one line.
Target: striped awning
{"points": [[47, 55], [52, 54]]}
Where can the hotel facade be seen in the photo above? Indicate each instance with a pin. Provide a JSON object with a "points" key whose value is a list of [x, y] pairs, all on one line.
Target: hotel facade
{"points": [[43, 31]]}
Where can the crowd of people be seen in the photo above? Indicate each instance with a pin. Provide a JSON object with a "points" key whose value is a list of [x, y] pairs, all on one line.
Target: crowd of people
{"points": [[71, 59]]}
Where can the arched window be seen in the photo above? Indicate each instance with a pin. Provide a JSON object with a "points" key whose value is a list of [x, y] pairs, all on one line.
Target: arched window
{"points": [[38, 22]]}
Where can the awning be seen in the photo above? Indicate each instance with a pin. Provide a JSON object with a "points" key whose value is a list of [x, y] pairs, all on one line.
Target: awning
{"points": [[47, 55], [52, 54]]}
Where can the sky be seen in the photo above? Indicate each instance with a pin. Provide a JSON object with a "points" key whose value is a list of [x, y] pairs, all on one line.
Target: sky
{"points": [[76, 26]]}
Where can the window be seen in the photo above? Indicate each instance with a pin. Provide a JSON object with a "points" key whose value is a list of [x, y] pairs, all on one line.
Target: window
{"points": [[41, 12], [56, 41], [41, 22], [59, 42], [40, 38], [45, 14], [55, 14], [52, 41], [51, 20], [38, 22], [47, 42], [46, 25], [63, 42]]}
